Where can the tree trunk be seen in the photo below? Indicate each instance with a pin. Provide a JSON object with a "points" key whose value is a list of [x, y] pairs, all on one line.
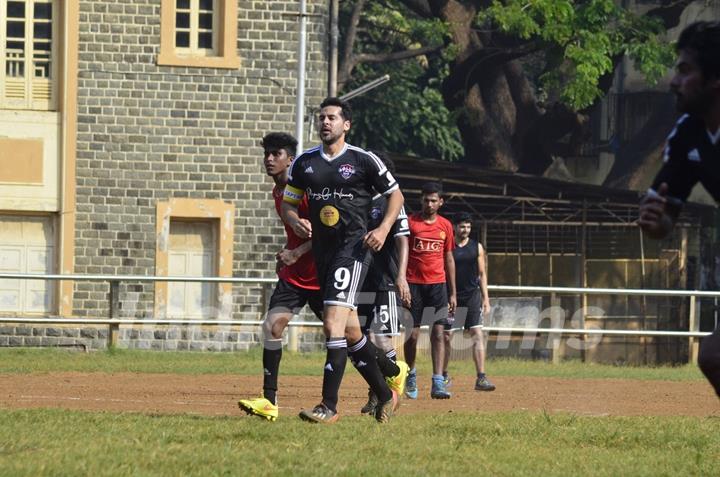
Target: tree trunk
{"points": [[500, 122]]}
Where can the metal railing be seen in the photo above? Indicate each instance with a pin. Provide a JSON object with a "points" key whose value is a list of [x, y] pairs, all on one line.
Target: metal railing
{"points": [[114, 322]]}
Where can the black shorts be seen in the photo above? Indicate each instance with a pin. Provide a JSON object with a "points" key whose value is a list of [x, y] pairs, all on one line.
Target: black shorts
{"points": [[289, 298], [341, 274], [468, 313], [429, 304], [381, 315]]}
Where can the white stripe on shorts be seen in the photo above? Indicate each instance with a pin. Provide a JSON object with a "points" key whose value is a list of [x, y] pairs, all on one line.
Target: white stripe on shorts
{"points": [[392, 302], [356, 273]]}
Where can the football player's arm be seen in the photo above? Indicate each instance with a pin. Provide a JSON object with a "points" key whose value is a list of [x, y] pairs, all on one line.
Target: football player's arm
{"points": [[289, 256], [375, 239], [450, 277], [662, 204], [289, 212], [403, 251], [656, 217], [482, 276]]}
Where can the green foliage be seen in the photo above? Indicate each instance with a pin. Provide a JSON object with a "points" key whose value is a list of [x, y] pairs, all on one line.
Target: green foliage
{"points": [[586, 35], [406, 115]]}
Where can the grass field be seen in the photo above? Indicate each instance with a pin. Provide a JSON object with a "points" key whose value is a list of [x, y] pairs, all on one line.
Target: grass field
{"points": [[28, 360], [60, 442]]}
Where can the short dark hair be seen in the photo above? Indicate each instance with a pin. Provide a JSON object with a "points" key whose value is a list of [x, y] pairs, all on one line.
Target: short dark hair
{"points": [[431, 188], [703, 39], [461, 218], [280, 140], [385, 160], [344, 106]]}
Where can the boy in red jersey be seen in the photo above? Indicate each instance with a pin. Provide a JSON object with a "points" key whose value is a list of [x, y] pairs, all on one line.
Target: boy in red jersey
{"points": [[297, 278], [431, 275]]}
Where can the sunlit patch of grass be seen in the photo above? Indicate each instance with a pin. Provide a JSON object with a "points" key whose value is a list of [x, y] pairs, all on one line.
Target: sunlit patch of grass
{"points": [[56, 442]]}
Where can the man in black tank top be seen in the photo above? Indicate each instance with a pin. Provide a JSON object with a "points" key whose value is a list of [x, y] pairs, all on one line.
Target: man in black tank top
{"points": [[692, 152], [473, 301]]}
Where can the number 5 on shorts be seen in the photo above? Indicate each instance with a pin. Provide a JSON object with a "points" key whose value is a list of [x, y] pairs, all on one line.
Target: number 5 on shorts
{"points": [[381, 314]]}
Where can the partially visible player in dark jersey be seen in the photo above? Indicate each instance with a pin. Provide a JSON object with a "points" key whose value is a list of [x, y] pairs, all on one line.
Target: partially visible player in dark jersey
{"points": [[339, 181], [384, 294], [473, 300], [297, 283], [692, 151]]}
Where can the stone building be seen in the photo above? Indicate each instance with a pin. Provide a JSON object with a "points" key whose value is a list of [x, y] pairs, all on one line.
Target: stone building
{"points": [[129, 136]]}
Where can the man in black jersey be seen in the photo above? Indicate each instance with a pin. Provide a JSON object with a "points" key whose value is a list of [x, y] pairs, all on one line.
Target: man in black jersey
{"points": [[339, 181], [692, 151], [384, 294], [473, 301]]}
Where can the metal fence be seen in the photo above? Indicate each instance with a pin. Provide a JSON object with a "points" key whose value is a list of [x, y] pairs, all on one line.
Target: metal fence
{"points": [[114, 322]]}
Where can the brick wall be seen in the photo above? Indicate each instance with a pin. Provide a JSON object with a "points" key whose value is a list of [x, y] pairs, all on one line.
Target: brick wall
{"points": [[167, 338], [148, 133]]}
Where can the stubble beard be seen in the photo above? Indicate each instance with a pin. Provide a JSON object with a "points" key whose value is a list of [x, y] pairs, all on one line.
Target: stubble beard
{"points": [[330, 140], [699, 105]]}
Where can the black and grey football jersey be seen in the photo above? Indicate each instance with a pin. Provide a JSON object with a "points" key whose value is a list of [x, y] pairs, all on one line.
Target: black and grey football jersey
{"points": [[339, 192], [384, 269], [692, 155]]}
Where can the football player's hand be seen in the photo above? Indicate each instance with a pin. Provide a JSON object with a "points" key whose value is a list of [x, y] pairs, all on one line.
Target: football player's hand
{"points": [[486, 307], [375, 239], [302, 228], [287, 257], [654, 218], [452, 304], [403, 290]]}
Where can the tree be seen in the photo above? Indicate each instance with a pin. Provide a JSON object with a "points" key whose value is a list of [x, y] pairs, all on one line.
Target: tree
{"points": [[408, 114], [519, 75]]}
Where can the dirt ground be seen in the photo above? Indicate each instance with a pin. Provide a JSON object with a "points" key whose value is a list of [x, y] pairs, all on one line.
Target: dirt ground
{"points": [[217, 395]]}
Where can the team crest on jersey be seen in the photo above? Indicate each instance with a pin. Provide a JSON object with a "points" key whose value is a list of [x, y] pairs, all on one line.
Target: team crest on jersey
{"points": [[376, 212], [442, 234], [346, 170]]}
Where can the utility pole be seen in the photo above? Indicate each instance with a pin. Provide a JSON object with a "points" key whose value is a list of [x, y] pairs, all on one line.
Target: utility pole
{"points": [[300, 97], [334, 35]]}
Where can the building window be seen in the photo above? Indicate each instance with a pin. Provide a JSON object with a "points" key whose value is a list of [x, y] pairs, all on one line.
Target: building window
{"points": [[199, 33], [195, 22], [28, 54]]}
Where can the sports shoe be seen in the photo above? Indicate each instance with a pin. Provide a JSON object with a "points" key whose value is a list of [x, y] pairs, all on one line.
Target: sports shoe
{"points": [[484, 384], [397, 382], [370, 405], [319, 414], [411, 385], [385, 410], [448, 380], [260, 407], [438, 390]]}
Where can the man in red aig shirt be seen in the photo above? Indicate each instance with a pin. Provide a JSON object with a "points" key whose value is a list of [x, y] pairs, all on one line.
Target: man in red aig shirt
{"points": [[431, 276]]}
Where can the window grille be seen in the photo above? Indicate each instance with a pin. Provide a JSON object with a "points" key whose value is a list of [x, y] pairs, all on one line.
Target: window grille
{"points": [[28, 54]]}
